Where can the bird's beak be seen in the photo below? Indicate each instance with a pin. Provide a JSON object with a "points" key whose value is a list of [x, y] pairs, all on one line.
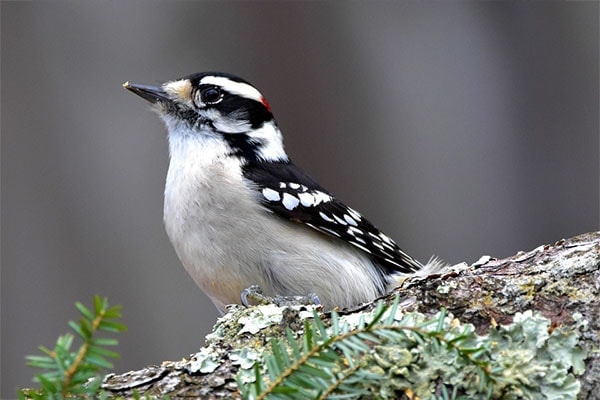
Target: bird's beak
{"points": [[151, 93]]}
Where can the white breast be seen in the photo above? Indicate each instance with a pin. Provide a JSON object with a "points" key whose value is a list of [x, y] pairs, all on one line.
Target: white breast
{"points": [[227, 241]]}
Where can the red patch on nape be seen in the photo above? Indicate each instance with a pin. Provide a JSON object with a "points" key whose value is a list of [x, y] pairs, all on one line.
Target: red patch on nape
{"points": [[266, 104]]}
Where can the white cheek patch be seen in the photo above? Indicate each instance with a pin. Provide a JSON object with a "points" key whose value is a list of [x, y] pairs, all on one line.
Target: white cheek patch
{"points": [[237, 88]]}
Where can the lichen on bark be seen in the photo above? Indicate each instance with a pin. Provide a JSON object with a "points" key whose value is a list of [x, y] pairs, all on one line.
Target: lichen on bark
{"points": [[559, 282]]}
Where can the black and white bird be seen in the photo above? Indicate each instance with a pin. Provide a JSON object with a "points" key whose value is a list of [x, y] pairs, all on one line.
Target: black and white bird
{"points": [[239, 213]]}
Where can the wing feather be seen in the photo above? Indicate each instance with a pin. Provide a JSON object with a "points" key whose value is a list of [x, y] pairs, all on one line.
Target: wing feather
{"points": [[290, 193]]}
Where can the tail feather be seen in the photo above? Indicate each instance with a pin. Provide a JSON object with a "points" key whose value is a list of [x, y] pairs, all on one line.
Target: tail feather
{"points": [[434, 266]]}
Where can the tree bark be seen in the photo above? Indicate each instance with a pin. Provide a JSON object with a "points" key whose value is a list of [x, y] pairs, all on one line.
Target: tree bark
{"points": [[556, 280]]}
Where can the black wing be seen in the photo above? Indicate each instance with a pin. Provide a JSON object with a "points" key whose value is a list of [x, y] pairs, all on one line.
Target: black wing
{"points": [[290, 193]]}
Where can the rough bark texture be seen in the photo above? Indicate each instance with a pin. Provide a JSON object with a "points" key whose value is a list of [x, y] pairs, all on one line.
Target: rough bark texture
{"points": [[556, 280]]}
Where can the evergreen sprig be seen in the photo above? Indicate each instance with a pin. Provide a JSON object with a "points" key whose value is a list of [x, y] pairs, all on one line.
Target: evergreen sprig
{"points": [[74, 374], [387, 355], [330, 362]]}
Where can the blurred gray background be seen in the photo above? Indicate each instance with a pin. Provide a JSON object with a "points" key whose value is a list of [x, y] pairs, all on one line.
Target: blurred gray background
{"points": [[460, 129]]}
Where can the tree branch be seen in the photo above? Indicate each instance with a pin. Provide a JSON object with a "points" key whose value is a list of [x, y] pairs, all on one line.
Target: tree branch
{"points": [[557, 280]]}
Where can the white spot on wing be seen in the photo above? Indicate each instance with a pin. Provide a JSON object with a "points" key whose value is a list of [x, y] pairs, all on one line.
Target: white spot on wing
{"points": [[389, 246], [307, 199], [325, 217], [350, 220], [330, 231], [374, 236], [339, 220], [271, 194], [282, 185], [376, 244], [295, 185], [321, 197], [290, 202], [392, 261], [361, 247], [386, 238], [353, 231], [354, 214], [385, 253]]}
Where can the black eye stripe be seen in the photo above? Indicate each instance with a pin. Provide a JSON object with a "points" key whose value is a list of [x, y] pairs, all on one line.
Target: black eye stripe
{"points": [[214, 97]]}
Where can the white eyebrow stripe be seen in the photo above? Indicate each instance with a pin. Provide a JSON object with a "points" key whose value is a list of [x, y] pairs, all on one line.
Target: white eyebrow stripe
{"points": [[237, 88]]}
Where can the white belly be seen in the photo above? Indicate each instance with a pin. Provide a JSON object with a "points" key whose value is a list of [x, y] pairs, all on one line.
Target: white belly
{"points": [[228, 242]]}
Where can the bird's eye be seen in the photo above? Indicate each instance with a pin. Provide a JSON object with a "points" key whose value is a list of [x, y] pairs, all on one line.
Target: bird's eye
{"points": [[211, 95]]}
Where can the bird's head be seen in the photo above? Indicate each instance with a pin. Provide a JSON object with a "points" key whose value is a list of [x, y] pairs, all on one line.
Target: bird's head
{"points": [[218, 106]]}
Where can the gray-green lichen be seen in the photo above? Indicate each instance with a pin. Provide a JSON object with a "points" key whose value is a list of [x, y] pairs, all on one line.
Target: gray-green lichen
{"points": [[527, 360], [240, 336]]}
